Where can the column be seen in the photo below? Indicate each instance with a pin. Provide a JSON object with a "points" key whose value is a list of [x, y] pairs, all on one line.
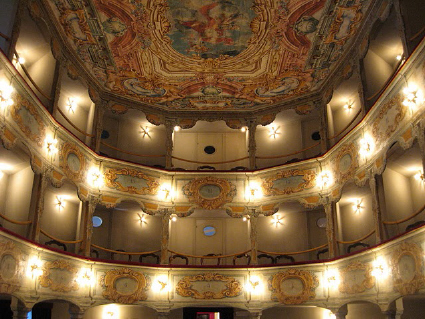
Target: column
{"points": [[75, 312], [421, 142], [376, 182], [98, 125], [19, 310], [16, 28], [165, 236], [253, 220], [396, 311], [56, 88], [163, 315], [88, 211], [255, 314], [40, 184], [340, 313], [252, 145], [169, 129], [324, 132], [330, 211]]}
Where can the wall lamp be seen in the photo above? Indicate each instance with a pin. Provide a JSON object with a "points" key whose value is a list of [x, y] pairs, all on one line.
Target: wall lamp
{"points": [[274, 131], [144, 131], [6, 91]]}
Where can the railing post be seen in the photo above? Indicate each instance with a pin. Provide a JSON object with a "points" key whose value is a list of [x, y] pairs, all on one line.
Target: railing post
{"points": [[165, 236], [40, 184], [330, 211], [376, 187]]}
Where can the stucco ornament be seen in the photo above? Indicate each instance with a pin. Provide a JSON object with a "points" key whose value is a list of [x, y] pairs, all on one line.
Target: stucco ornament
{"points": [[346, 162], [59, 275], [10, 267], [209, 192], [356, 278], [232, 287], [131, 181], [293, 286], [389, 118], [407, 268], [289, 181], [124, 285], [72, 161]]}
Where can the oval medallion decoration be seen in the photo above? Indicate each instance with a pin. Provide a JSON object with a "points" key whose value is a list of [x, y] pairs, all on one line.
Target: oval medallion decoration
{"points": [[131, 181], [346, 162], [59, 275], [293, 286], [124, 285], [356, 278], [209, 192], [11, 270], [407, 263], [72, 161], [8, 266], [289, 181]]}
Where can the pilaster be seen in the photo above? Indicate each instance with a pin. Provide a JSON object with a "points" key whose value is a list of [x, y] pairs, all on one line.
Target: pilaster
{"points": [[40, 183], [165, 236], [88, 210], [169, 129], [375, 182], [252, 144], [330, 211]]}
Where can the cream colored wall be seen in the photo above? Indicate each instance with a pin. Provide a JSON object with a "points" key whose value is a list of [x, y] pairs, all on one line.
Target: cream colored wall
{"points": [[398, 199], [290, 140], [229, 146], [112, 126], [4, 181], [356, 225], [316, 235], [295, 312], [308, 128], [289, 237], [418, 194], [122, 311], [59, 223], [101, 235], [7, 17], [60, 310], [18, 194]]}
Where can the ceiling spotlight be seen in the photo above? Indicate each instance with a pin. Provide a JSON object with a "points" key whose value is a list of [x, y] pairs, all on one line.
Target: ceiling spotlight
{"points": [[95, 177], [6, 91], [243, 129], [245, 218], [413, 97], [274, 131], [324, 179], [51, 145], [60, 202], [142, 218], [177, 128], [173, 217], [399, 57], [419, 176], [21, 60], [144, 131], [277, 220]]}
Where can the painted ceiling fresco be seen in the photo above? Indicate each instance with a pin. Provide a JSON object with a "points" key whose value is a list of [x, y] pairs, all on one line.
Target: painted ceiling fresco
{"points": [[209, 54]]}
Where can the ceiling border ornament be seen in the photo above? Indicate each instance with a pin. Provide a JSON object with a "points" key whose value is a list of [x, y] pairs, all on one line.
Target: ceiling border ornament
{"points": [[111, 180], [403, 286], [108, 282], [308, 181], [47, 282], [74, 174], [9, 253], [345, 173], [232, 288], [22, 103], [194, 189], [367, 283], [309, 282]]}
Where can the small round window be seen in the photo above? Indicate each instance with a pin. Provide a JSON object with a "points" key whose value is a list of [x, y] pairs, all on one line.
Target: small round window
{"points": [[209, 231], [97, 221], [321, 222], [209, 149]]}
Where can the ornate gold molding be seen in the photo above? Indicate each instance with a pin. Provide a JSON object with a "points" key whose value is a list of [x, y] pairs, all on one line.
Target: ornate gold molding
{"points": [[111, 180], [385, 109], [354, 287], [308, 181], [232, 288], [209, 192], [68, 164], [407, 268], [293, 286], [22, 103], [49, 280], [124, 285]]}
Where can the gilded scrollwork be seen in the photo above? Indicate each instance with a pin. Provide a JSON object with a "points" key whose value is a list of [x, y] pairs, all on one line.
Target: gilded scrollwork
{"points": [[356, 278], [28, 120], [293, 286], [209, 192], [293, 181], [59, 275], [72, 161], [131, 181], [125, 285], [407, 268], [232, 287], [346, 162]]}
